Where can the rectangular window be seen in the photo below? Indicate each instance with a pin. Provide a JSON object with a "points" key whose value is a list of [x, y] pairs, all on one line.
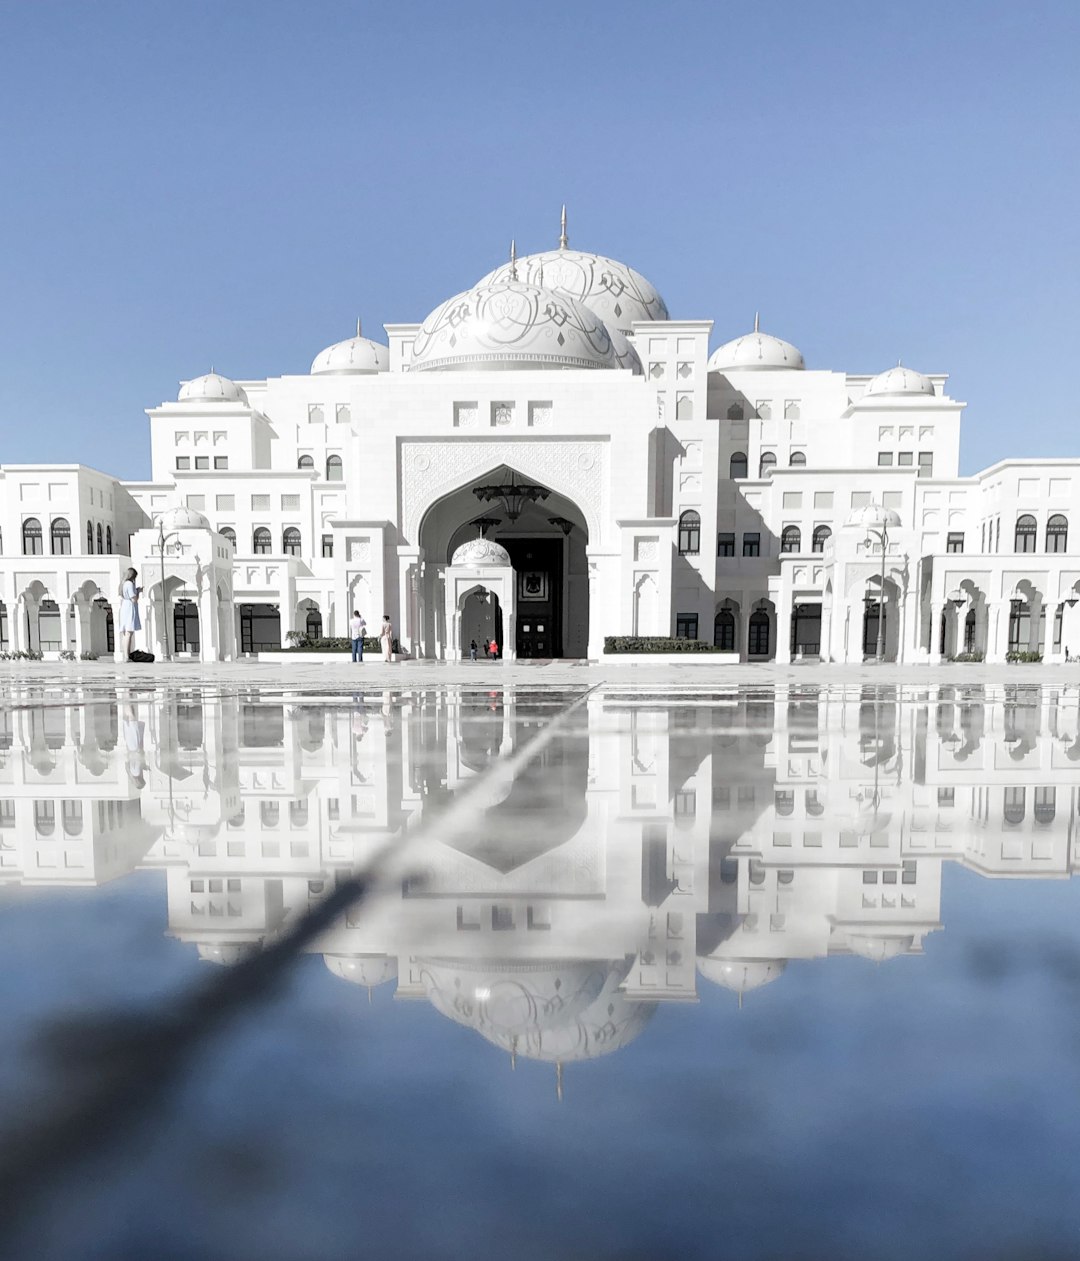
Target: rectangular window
{"points": [[792, 499], [226, 503], [290, 503], [946, 798], [906, 459], [926, 464], [202, 461], [725, 544], [221, 462], [955, 541], [860, 498], [183, 462], [791, 409], [686, 626], [260, 503], [892, 499], [198, 502], [884, 459], [751, 544], [823, 499], [327, 546]]}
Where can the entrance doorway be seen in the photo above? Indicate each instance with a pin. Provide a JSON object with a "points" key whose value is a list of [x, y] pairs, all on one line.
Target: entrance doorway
{"points": [[185, 626], [482, 621], [538, 572]]}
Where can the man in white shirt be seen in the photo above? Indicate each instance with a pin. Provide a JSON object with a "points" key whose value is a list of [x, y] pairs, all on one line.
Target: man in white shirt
{"points": [[357, 626]]}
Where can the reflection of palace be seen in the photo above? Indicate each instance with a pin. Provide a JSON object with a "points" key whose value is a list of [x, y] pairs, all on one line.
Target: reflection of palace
{"points": [[632, 483], [657, 843]]}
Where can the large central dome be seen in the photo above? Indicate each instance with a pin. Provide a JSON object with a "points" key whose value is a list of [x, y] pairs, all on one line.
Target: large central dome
{"points": [[512, 324], [617, 293]]}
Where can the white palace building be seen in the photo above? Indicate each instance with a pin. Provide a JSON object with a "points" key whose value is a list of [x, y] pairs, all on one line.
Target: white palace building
{"points": [[630, 482]]}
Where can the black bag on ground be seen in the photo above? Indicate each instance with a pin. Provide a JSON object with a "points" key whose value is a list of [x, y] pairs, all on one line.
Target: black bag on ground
{"points": [[140, 656]]}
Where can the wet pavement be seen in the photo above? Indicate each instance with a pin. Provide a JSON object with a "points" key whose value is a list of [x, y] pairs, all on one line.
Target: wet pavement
{"points": [[624, 969]]}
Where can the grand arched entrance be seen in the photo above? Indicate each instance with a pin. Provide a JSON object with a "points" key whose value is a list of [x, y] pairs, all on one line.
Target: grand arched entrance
{"points": [[545, 535]]}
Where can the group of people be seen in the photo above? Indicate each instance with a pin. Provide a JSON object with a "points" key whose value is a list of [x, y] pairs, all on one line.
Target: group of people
{"points": [[491, 650], [357, 626]]}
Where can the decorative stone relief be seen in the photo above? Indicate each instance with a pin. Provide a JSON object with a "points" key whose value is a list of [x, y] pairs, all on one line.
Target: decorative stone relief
{"points": [[690, 483], [502, 413], [465, 415], [540, 415], [645, 549], [575, 470], [692, 454], [359, 551]]}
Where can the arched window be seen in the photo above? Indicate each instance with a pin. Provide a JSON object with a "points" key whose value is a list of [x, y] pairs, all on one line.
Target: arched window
{"points": [[737, 467], [305, 461], [768, 463], [260, 541], [71, 816], [313, 624], [108, 540], [735, 412], [1026, 529], [31, 537], [269, 813], [724, 630], [100, 540], [689, 533], [784, 802], [89, 538], [821, 533], [1057, 533], [60, 537], [44, 817], [758, 638], [791, 539], [1045, 805], [334, 472], [298, 813], [798, 459], [227, 532], [1014, 807], [290, 541]]}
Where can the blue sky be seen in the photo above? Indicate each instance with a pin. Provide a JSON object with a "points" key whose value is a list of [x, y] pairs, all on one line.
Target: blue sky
{"points": [[233, 183]]}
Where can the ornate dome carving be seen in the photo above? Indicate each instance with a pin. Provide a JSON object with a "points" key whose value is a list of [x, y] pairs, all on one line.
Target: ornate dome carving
{"points": [[740, 975], [878, 947], [183, 518], [357, 356], [512, 326], [897, 381], [481, 552], [873, 517], [756, 351], [211, 388], [369, 970]]}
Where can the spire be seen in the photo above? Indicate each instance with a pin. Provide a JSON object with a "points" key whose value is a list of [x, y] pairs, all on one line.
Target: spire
{"points": [[358, 326], [558, 1080], [513, 260], [562, 231], [757, 321], [740, 1000], [899, 362], [369, 995]]}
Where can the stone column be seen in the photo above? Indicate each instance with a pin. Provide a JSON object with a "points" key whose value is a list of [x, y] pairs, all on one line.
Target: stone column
{"points": [[937, 608], [826, 628], [997, 629], [1035, 605], [82, 628], [17, 625], [742, 628], [783, 627], [208, 626]]}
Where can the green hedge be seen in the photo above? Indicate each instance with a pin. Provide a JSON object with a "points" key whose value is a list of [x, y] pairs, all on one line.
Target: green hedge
{"points": [[1023, 658], [655, 643], [967, 656], [304, 644]]}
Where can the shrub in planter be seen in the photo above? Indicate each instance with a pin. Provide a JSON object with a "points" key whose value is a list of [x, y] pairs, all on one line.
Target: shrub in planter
{"points": [[67, 655], [655, 643], [88, 656], [968, 656], [304, 643], [1023, 658]]}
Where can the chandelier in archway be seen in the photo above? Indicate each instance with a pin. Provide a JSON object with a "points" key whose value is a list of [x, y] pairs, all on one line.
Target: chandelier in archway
{"points": [[514, 495]]}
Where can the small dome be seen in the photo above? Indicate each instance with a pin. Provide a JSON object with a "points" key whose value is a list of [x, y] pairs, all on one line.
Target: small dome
{"points": [[878, 947], [369, 970], [740, 975], [211, 388], [873, 517], [512, 325], [896, 381], [183, 518], [626, 354], [358, 356], [480, 552], [227, 953], [755, 351]]}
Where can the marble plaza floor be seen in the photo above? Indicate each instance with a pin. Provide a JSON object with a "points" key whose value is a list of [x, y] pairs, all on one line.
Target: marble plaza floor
{"points": [[539, 961]]}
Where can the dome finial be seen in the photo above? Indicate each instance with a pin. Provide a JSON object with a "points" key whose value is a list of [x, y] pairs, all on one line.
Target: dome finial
{"points": [[562, 230], [559, 1080], [513, 260], [899, 362], [358, 326], [757, 321]]}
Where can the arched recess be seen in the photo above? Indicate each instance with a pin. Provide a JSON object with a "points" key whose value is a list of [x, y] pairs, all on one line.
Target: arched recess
{"points": [[547, 545], [480, 618]]}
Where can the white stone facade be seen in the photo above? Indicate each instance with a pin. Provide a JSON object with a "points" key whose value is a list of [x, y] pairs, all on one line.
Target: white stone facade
{"points": [[684, 494]]}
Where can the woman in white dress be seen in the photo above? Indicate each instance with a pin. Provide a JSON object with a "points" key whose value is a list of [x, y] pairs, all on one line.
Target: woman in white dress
{"points": [[130, 621], [386, 637]]}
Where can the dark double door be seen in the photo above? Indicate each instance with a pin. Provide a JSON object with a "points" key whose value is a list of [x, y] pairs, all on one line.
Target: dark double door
{"points": [[538, 573]]}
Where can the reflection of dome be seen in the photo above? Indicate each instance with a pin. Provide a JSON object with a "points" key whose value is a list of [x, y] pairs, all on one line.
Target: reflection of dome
{"points": [[740, 975], [898, 380], [227, 953], [512, 325], [873, 517], [353, 357], [369, 970], [477, 552], [554, 1010], [183, 518], [194, 833], [755, 351], [878, 947], [616, 293], [211, 388]]}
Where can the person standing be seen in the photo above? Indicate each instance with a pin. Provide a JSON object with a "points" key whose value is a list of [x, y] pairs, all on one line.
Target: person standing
{"points": [[357, 626], [386, 637], [130, 622], [472, 650], [494, 649]]}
